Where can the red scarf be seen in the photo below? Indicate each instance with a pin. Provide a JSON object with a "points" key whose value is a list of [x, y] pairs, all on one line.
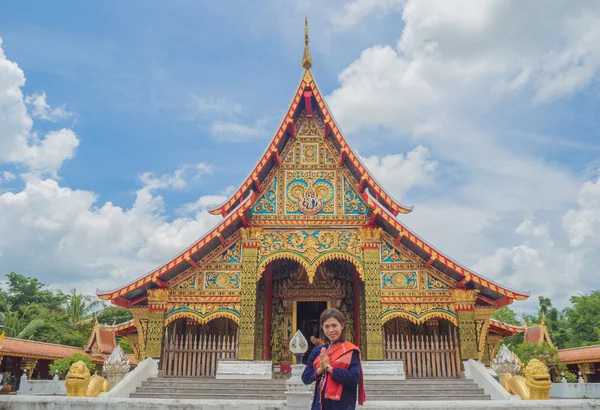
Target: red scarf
{"points": [[340, 356]]}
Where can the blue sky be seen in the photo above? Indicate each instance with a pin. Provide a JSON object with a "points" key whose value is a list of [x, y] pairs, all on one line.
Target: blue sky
{"points": [[482, 115]]}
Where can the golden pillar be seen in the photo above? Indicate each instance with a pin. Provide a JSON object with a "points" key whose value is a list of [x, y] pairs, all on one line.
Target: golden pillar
{"points": [[482, 324], [250, 244], [140, 320], [493, 342], [371, 240], [157, 306], [467, 331]]}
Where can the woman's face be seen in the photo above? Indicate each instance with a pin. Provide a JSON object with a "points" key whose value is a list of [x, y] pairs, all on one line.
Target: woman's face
{"points": [[332, 328]]}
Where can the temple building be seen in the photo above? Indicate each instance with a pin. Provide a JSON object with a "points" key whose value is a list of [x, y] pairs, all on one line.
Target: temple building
{"points": [[311, 228]]}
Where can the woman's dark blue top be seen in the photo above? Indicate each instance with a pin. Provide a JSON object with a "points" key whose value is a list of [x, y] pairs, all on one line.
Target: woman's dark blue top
{"points": [[348, 378]]}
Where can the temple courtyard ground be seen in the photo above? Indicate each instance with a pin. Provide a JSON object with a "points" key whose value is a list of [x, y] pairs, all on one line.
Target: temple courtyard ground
{"points": [[75, 403]]}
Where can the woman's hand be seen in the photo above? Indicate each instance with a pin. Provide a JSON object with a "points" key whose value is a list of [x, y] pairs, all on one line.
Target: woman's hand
{"points": [[324, 359]]}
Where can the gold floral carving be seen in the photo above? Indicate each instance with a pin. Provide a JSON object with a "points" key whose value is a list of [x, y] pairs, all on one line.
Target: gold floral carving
{"points": [[467, 334], [202, 320], [417, 320], [370, 234], [157, 295], [465, 299], [482, 324], [310, 248], [373, 301], [248, 276]]}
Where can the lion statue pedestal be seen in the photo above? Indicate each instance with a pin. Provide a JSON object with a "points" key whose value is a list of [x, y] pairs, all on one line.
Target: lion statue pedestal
{"points": [[80, 383]]}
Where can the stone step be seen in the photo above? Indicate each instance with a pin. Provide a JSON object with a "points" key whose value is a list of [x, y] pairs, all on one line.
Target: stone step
{"points": [[236, 392], [274, 389], [428, 392], [433, 390], [425, 397], [209, 396]]}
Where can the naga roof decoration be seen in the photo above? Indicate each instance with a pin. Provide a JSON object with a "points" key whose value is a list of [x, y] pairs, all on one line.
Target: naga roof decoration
{"points": [[125, 327], [497, 326], [184, 260], [435, 258]]}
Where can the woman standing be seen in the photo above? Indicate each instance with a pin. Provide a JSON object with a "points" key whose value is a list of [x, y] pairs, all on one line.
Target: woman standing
{"points": [[335, 366]]}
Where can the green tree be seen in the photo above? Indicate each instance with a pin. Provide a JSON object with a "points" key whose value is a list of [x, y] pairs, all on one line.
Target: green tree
{"points": [[23, 291], [63, 365], [507, 315], [114, 315], [55, 327], [541, 351], [583, 319], [125, 344], [79, 307]]}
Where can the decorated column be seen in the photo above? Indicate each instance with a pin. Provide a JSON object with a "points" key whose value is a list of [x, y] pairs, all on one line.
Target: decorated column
{"points": [[371, 239], [467, 332], [157, 306], [140, 320], [250, 245], [493, 342], [482, 324]]}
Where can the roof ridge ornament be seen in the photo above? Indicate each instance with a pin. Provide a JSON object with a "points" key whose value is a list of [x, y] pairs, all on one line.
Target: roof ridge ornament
{"points": [[306, 60]]}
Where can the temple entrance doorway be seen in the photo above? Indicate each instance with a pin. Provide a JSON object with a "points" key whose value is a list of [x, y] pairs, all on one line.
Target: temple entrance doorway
{"points": [[287, 301], [307, 320]]}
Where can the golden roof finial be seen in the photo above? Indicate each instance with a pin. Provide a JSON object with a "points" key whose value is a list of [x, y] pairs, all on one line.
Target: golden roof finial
{"points": [[306, 60]]}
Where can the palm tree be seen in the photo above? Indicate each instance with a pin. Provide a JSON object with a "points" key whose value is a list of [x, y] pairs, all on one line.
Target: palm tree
{"points": [[80, 307]]}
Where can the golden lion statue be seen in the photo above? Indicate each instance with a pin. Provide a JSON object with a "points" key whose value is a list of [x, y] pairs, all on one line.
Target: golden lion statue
{"points": [[79, 382], [535, 385]]}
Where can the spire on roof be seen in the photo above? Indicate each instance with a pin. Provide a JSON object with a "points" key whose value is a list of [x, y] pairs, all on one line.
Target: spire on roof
{"points": [[306, 60]]}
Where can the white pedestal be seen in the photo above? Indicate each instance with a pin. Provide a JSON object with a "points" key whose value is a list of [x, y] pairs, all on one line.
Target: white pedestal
{"points": [[384, 370], [298, 394], [238, 369]]}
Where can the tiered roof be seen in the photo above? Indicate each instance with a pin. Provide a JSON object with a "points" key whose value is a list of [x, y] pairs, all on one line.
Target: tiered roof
{"points": [[382, 208]]}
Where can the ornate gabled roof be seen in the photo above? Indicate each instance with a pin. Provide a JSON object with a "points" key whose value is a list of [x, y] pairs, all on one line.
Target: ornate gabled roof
{"points": [[136, 290], [538, 334], [489, 291], [308, 90], [103, 338]]}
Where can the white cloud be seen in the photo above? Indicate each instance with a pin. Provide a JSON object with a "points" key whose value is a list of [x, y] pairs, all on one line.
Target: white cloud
{"points": [[469, 53], [455, 64], [399, 173], [354, 12], [234, 131], [43, 111], [204, 106], [583, 224], [177, 180], [18, 144], [7, 176], [64, 235]]}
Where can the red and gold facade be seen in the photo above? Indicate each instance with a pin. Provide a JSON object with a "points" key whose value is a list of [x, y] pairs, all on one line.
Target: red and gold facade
{"points": [[310, 224]]}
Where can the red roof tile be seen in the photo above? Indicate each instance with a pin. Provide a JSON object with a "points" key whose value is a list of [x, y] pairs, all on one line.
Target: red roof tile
{"points": [[533, 334], [40, 350], [586, 354]]}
